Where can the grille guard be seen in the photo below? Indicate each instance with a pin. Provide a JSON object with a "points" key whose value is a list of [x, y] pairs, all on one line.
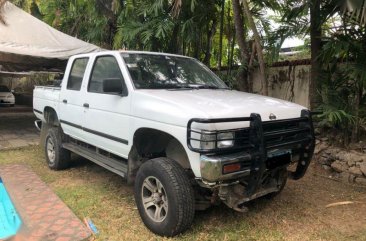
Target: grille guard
{"points": [[260, 140]]}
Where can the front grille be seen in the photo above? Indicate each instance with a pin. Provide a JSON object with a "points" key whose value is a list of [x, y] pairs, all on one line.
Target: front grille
{"points": [[242, 138], [290, 133]]}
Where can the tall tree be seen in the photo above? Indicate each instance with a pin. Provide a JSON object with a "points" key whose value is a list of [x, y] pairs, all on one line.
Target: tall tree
{"points": [[259, 48], [222, 15], [241, 40], [316, 41]]}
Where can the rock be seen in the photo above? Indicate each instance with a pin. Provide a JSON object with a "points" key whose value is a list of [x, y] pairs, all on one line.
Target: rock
{"points": [[351, 163], [363, 167], [355, 171], [321, 147], [317, 142], [350, 157], [360, 180], [326, 167], [351, 178], [346, 177], [324, 139], [324, 160], [339, 166]]}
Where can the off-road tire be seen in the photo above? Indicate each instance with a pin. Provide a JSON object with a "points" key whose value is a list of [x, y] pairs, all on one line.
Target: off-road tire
{"points": [[61, 158], [179, 192]]}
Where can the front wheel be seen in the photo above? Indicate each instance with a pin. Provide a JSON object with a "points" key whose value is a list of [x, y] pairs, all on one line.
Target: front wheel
{"points": [[164, 197], [57, 157]]}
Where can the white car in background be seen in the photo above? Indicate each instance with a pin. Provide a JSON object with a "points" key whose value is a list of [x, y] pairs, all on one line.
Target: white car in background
{"points": [[6, 96]]}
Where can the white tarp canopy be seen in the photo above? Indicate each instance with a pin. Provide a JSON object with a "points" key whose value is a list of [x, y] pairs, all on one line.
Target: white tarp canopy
{"points": [[26, 43]]}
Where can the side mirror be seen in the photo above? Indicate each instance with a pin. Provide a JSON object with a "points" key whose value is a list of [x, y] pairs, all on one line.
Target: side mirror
{"points": [[113, 86], [12, 91]]}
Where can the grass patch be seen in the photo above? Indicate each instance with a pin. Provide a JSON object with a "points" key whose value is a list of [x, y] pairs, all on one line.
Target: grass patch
{"points": [[297, 214]]}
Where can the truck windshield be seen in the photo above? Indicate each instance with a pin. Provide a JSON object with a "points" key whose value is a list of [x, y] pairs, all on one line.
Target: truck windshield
{"points": [[150, 71]]}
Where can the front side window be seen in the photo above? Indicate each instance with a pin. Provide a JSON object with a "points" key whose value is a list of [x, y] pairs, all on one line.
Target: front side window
{"points": [[77, 74], [150, 71], [106, 77]]}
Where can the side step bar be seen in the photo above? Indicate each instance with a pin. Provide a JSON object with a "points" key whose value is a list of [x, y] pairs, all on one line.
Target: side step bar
{"points": [[118, 167]]}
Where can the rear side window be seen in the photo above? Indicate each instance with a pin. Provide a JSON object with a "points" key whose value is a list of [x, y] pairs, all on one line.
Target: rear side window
{"points": [[77, 74], [106, 77]]}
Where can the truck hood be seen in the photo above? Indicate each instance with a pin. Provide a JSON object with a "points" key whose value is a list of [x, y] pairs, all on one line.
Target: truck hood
{"points": [[177, 107]]}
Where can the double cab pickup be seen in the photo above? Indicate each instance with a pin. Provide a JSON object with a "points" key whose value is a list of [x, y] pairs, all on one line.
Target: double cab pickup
{"points": [[170, 126]]}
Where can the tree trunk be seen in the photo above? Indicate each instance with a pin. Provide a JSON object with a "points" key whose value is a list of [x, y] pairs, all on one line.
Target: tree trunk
{"points": [[240, 39], [315, 38], [229, 38], [356, 128], [210, 35], [259, 47], [231, 60], [174, 43], [221, 33]]}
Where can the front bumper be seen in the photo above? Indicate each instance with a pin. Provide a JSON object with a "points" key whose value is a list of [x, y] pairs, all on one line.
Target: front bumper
{"points": [[7, 101], [267, 146], [212, 166]]}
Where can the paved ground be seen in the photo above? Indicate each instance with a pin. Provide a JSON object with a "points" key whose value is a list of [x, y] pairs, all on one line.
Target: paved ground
{"points": [[17, 129], [45, 217]]}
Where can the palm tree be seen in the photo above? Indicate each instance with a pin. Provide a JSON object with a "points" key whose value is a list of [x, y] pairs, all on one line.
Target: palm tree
{"points": [[356, 10]]}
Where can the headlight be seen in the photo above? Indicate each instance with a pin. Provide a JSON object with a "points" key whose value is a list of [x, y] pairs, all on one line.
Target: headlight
{"points": [[224, 140], [227, 140], [9, 96], [208, 141]]}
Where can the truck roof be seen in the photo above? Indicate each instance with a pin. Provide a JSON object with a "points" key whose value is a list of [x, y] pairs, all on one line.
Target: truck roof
{"points": [[128, 52]]}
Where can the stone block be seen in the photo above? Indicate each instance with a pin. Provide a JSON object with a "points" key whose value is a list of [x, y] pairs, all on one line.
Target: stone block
{"points": [[361, 180], [339, 166]]}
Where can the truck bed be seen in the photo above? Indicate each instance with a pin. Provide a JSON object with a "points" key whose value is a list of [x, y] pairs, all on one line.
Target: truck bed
{"points": [[45, 96]]}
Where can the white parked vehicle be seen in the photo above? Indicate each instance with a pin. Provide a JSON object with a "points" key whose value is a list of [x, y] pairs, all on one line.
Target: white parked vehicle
{"points": [[6, 96], [169, 125]]}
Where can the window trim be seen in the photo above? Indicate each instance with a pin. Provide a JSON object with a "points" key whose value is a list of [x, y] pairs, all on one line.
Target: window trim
{"points": [[82, 79], [124, 86]]}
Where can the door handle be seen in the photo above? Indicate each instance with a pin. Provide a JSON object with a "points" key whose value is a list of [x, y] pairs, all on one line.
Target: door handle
{"points": [[86, 105], [64, 101]]}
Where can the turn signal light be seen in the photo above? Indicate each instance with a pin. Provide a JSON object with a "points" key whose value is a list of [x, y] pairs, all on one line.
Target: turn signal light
{"points": [[231, 168]]}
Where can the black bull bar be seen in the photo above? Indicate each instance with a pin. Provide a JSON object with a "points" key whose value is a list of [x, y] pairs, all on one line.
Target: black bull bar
{"points": [[296, 134]]}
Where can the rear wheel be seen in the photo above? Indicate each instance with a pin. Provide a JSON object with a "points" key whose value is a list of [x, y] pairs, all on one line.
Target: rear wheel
{"points": [[57, 157], [164, 197]]}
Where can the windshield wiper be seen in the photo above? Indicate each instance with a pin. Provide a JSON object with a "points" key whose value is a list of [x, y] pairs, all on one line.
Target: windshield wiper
{"points": [[212, 87], [195, 87]]}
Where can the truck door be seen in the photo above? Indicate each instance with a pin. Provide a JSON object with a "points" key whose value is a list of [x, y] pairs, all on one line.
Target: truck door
{"points": [[107, 107], [72, 99]]}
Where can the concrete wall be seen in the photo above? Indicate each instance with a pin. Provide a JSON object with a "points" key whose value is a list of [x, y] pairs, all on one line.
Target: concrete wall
{"points": [[289, 82]]}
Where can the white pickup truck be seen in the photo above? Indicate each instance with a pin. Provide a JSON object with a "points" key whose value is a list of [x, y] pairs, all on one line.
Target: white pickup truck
{"points": [[169, 125]]}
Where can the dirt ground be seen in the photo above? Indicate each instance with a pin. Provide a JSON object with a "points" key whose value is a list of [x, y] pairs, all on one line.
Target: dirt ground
{"points": [[298, 213]]}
